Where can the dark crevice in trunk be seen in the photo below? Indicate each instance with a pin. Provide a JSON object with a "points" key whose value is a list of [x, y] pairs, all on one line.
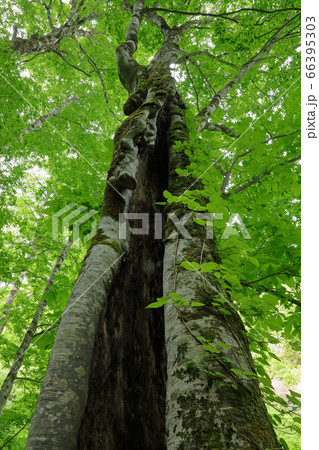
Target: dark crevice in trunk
{"points": [[126, 400]]}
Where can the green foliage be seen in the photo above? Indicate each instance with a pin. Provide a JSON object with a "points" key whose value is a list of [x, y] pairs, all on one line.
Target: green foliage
{"points": [[66, 161]]}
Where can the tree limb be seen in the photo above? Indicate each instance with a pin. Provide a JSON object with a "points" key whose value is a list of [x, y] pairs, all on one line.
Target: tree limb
{"points": [[222, 128], [283, 271], [37, 123], [258, 177], [193, 84], [96, 69], [214, 103], [51, 41], [74, 67], [127, 66], [29, 379]]}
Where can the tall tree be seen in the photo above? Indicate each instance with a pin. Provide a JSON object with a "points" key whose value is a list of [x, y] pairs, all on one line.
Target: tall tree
{"points": [[151, 350]]}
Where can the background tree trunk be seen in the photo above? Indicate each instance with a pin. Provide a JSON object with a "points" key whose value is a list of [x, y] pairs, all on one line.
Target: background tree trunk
{"points": [[8, 306], [7, 385]]}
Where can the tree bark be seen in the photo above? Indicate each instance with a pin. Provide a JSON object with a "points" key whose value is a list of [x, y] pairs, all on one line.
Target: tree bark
{"points": [[208, 405], [8, 306]]}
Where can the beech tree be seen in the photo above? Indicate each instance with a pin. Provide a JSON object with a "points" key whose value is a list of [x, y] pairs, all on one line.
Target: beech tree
{"points": [[193, 272]]}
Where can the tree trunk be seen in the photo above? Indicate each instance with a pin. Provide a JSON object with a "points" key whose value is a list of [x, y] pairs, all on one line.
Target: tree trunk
{"points": [[208, 404], [8, 306], [105, 385]]}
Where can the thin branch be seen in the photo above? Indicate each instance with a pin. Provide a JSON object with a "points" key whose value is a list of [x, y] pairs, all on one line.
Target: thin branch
{"points": [[261, 10], [29, 379], [210, 55], [263, 243], [224, 15], [258, 177], [48, 10], [260, 24], [30, 59], [45, 331], [203, 14], [273, 291], [257, 87], [193, 84], [202, 74], [10, 439], [37, 123], [75, 67], [218, 167], [229, 171], [222, 128], [283, 271], [96, 69], [214, 103]]}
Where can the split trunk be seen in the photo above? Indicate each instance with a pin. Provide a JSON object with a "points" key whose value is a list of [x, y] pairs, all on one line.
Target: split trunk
{"points": [[117, 377]]}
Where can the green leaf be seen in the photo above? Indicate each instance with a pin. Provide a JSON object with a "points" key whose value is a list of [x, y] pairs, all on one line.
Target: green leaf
{"points": [[160, 302], [208, 267], [192, 266], [175, 296], [197, 304], [254, 260], [210, 349], [221, 344], [225, 311], [155, 305], [284, 443]]}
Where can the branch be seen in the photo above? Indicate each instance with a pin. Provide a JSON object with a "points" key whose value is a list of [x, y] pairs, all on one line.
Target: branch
{"points": [[96, 69], [19, 431], [263, 243], [51, 41], [127, 66], [158, 20], [29, 379], [48, 10], [37, 123], [229, 171], [209, 54], [214, 103], [7, 385], [8, 306], [258, 177], [74, 67], [45, 331], [200, 71], [193, 84], [224, 15], [273, 291], [283, 271], [218, 167], [261, 10], [222, 128], [204, 14]]}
